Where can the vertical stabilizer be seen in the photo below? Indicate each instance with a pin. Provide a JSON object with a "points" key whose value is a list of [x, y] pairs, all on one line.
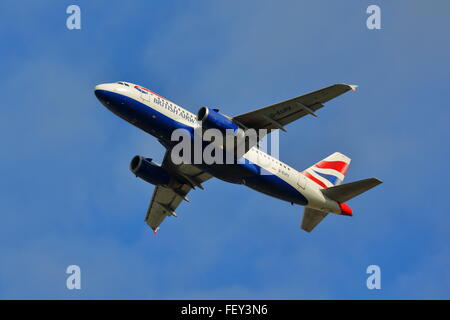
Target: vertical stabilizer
{"points": [[330, 171]]}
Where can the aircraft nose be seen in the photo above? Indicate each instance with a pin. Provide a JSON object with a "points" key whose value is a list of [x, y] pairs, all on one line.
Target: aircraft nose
{"points": [[100, 87], [102, 90]]}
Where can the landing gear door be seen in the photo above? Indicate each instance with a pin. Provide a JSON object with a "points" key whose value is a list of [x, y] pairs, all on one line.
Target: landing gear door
{"points": [[302, 180]]}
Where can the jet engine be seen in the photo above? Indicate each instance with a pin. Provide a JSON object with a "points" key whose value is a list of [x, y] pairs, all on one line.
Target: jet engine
{"points": [[238, 142], [213, 119], [149, 171]]}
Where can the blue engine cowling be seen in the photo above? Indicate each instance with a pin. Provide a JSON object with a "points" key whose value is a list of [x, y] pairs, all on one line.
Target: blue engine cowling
{"points": [[149, 171], [212, 119]]}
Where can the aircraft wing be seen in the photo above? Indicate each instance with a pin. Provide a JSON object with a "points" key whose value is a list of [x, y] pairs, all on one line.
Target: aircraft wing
{"points": [[166, 200], [280, 114]]}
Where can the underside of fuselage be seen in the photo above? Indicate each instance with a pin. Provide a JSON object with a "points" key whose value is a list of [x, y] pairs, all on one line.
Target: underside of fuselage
{"points": [[161, 127]]}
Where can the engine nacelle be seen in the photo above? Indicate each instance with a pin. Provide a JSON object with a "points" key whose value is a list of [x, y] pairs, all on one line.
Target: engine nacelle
{"points": [[212, 119], [149, 171], [237, 141]]}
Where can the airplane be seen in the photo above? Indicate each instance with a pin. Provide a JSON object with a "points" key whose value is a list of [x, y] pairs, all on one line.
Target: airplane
{"points": [[319, 188]]}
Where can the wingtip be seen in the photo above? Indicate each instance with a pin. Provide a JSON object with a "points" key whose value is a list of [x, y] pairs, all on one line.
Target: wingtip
{"points": [[352, 87], [378, 180]]}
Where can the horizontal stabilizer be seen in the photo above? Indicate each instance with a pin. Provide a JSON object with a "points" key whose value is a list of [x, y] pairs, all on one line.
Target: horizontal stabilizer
{"points": [[347, 191], [311, 218]]}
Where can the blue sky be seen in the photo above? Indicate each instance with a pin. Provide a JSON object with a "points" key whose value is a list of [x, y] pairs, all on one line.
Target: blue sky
{"points": [[68, 197]]}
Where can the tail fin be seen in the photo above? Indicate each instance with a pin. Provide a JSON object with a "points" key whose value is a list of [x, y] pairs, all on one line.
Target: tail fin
{"points": [[350, 190], [330, 171]]}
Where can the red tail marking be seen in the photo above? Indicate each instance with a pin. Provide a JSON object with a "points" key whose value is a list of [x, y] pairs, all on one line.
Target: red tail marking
{"points": [[339, 166], [320, 183]]}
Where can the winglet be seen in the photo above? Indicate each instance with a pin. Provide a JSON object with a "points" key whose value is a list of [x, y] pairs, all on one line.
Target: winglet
{"points": [[353, 87]]}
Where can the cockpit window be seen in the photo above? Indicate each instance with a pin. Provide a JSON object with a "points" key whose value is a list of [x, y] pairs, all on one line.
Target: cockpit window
{"points": [[123, 83]]}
